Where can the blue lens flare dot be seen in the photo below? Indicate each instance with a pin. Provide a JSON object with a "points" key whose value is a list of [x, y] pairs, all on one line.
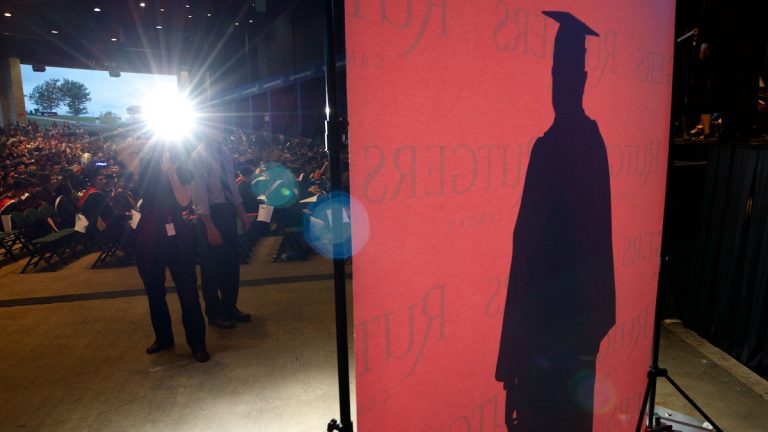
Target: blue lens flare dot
{"points": [[337, 240]]}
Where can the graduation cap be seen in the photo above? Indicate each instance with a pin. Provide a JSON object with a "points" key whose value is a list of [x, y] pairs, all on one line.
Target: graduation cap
{"points": [[570, 41]]}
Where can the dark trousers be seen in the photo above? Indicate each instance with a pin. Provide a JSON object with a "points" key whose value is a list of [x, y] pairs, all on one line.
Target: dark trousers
{"points": [[220, 265], [552, 395], [154, 252]]}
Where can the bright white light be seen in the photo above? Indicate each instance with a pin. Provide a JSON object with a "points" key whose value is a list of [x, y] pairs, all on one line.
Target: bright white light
{"points": [[142, 4], [97, 9], [55, 31], [158, 27], [9, 14], [169, 115], [114, 39]]}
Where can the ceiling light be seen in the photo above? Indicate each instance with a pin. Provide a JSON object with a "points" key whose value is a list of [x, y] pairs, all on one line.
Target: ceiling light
{"points": [[187, 5], [209, 14], [162, 10], [158, 27], [97, 9], [237, 23], [114, 39], [189, 16], [55, 31], [9, 14], [142, 4], [250, 21]]}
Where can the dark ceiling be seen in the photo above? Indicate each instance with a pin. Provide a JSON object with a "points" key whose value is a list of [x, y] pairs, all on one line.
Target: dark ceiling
{"points": [[162, 36]]}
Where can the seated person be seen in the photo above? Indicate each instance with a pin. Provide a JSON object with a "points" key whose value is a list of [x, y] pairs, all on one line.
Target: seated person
{"points": [[94, 206], [65, 206], [250, 201]]}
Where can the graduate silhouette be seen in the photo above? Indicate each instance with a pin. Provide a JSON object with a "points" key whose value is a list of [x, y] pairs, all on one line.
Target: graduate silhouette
{"points": [[560, 296]]}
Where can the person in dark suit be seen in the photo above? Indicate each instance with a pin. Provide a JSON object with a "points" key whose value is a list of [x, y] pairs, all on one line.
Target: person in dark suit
{"points": [[165, 239], [560, 296]]}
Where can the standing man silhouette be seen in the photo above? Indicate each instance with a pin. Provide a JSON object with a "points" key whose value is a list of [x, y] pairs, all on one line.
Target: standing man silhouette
{"points": [[219, 208], [560, 296]]}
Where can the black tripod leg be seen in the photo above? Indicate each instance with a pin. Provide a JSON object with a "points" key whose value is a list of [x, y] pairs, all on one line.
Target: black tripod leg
{"points": [[693, 404], [651, 383]]}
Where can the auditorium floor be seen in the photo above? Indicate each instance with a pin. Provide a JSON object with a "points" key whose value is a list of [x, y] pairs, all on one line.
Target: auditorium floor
{"points": [[72, 357]]}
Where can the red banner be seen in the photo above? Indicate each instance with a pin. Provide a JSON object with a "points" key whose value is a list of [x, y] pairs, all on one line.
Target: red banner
{"points": [[514, 207]]}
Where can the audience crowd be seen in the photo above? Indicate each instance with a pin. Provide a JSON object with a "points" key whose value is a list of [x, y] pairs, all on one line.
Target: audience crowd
{"points": [[93, 174]]}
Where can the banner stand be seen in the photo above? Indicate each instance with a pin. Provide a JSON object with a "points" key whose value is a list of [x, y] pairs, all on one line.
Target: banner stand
{"points": [[333, 147], [655, 372]]}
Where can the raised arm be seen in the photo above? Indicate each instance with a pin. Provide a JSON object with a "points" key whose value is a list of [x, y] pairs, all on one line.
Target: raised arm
{"points": [[182, 192]]}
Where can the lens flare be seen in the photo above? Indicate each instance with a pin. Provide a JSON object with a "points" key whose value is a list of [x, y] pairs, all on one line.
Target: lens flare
{"points": [[169, 115], [340, 240], [582, 387], [277, 185], [605, 395]]}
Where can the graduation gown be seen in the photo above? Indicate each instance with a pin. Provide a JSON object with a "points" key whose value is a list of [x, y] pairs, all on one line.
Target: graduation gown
{"points": [[560, 296]]}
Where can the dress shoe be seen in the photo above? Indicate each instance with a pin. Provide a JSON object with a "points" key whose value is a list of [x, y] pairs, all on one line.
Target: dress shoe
{"points": [[221, 323], [240, 316], [201, 355], [159, 346]]}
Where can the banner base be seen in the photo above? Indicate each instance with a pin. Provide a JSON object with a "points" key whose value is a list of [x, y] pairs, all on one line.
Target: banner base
{"points": [[667, 419], [334, 425]]}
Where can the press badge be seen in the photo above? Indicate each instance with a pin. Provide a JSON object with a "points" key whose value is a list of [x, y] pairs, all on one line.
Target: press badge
{"points": [[170, 229]]}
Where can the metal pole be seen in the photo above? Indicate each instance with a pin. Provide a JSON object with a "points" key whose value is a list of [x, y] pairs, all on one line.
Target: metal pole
{"points": [[660, 293], [333, 146], [693, 403], [654, 371]]}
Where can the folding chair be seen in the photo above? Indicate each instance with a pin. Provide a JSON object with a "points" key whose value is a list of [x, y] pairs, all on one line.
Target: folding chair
{"points": [[7, 241], [74, 238], [42, 247], [115, 239]]}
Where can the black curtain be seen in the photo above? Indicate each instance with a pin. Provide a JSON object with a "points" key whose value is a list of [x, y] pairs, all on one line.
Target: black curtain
{"points": [[752, 325], [731, 257], [717, 238]]}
